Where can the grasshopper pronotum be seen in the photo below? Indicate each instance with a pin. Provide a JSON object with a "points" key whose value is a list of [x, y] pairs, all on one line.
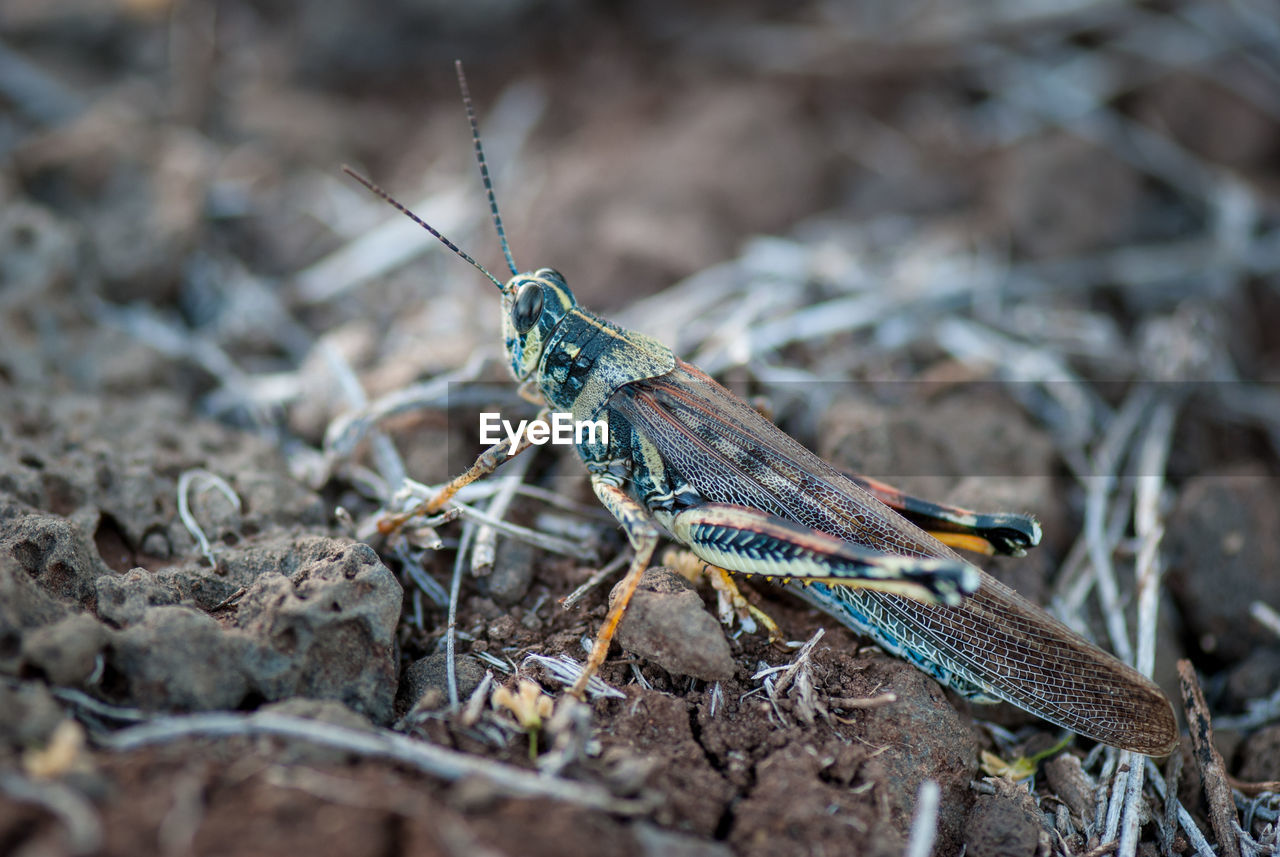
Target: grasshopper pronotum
{"points": [[688, 458]]}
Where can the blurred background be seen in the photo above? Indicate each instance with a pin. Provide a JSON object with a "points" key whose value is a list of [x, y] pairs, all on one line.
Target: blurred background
{"points": [[1063, 198]]}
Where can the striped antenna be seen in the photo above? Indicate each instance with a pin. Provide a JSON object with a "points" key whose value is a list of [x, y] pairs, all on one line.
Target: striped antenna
{"points": [[427, 226], [484, 168]]}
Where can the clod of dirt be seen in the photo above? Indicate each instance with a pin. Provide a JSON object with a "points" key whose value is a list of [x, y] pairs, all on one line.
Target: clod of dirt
{"points": [[28, 714], [667, 623], [23, 608], [429, 677], [930, 740], [52, 550], [125, 599], [1220, 534], [512, 572], [327, 630], [317, 619], [1068, 781], [66, 652], [1261, 756], [180, 658], [1006, 824]]}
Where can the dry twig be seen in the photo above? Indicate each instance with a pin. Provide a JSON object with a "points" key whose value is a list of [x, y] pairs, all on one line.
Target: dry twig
{"points": [[1222, 811]]}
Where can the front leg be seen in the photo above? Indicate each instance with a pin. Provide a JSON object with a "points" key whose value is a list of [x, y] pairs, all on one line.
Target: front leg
{"points": [[487, 462], [643, 534], [749, 541]]}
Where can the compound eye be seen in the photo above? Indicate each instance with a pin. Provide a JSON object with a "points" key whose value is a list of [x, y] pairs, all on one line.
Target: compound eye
{"points": [[528, 307], [550, 273]]}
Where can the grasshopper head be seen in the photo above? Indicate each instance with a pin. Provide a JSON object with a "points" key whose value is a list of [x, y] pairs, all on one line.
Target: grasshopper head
{"points": [[533, 304]]}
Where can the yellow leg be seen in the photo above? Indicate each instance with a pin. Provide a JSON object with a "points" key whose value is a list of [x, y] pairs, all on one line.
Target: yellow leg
{"points": [[693, 569], [722, 581], [643, 536]]}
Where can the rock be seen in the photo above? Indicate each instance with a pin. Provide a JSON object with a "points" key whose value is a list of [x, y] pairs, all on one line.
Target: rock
{"points": [[426, 681], [324, 630], [1261, 755], [24, 606], [53, 552], [1006, 824], [512, 572], [28, 714], [325, 626], [66, 652], [179, 658], [930, 740], [1218, 537], [1068, 781], [125, 599], [667, 623], [20, 475]]}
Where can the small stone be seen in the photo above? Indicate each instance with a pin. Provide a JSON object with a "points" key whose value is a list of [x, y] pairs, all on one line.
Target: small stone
{"points": [[124, 599], [430, 674], [179, 658], [1067, 780], [28, 713], [1004, 825], [512, 572], [156, 544], [1262, 756], [325, 626], [502, 628], [667, 623], [53, 551], [1238, 505], [67, 651]]}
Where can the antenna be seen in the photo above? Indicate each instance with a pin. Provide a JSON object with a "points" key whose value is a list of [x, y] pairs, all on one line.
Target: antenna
{"points": [[427, 226], [484, 168]]}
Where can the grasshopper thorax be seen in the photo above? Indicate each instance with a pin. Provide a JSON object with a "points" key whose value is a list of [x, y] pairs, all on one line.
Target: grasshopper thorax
{"points": [[533, 306]]}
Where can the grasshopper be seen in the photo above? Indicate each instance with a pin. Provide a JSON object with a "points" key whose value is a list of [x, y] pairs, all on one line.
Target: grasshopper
{"points": [[687, 458]]}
